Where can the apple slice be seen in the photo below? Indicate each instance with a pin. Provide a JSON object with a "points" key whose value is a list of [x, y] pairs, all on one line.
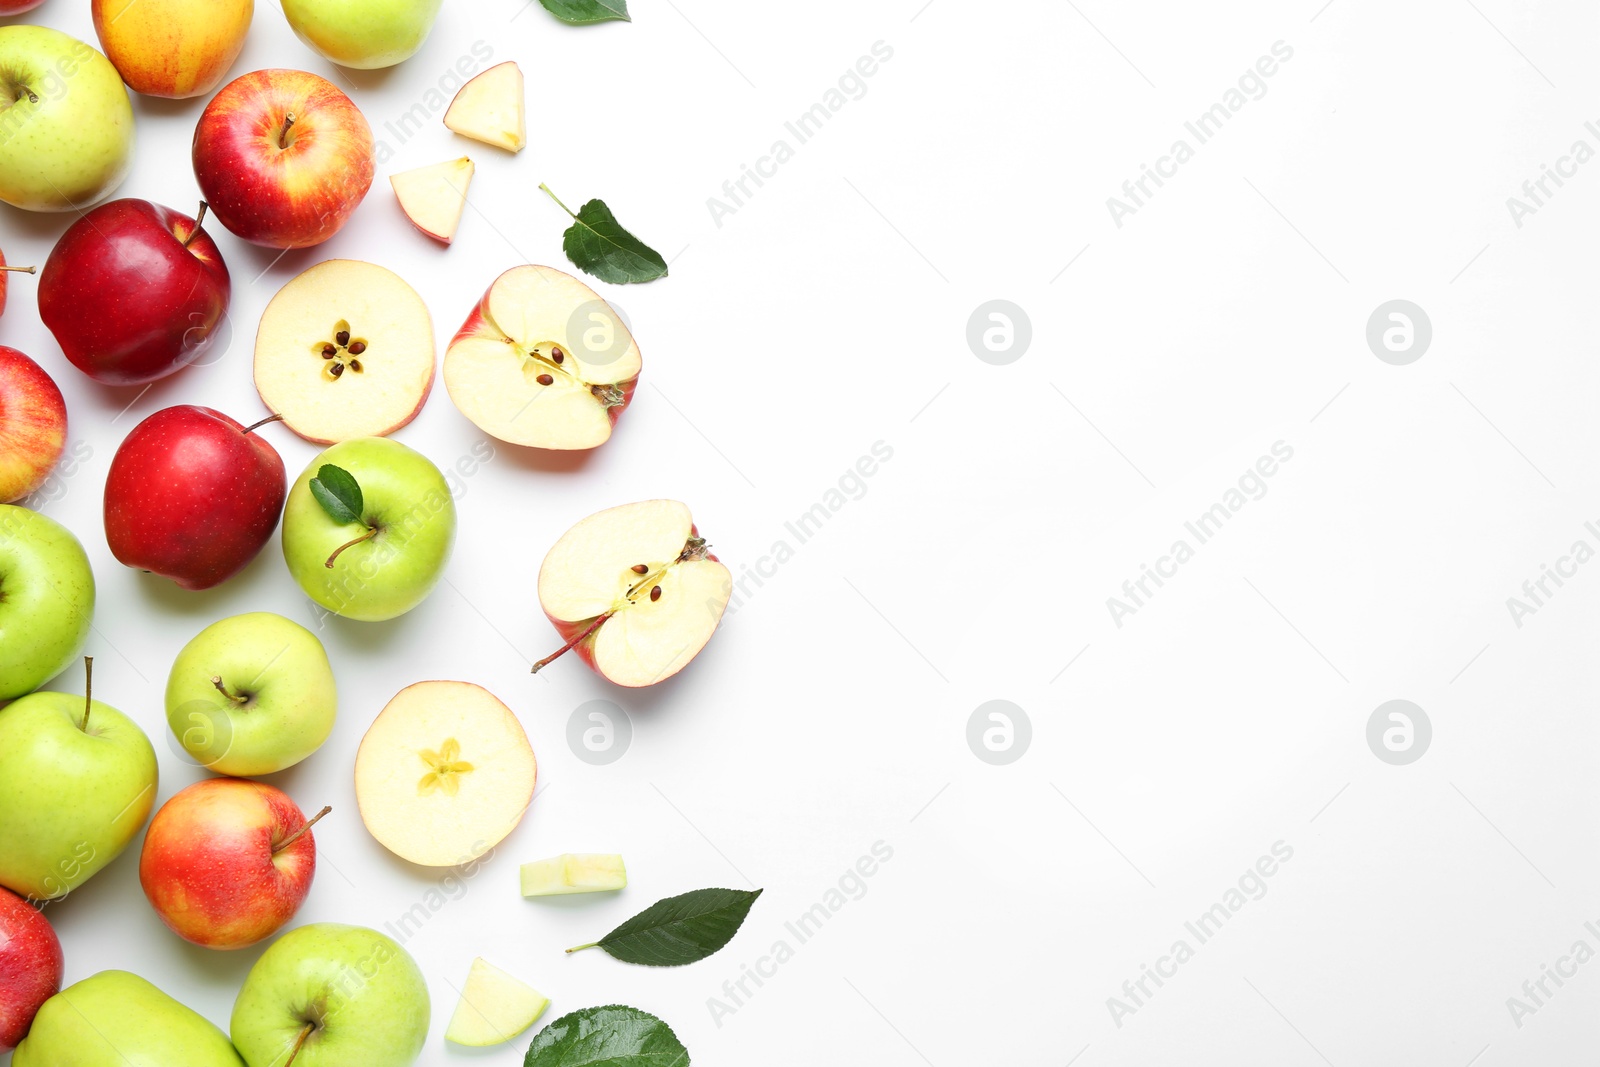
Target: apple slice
{"points": [[542, 361], [444, 773], [573, 873], [491, 108], [494, 1007], [433, 197], [345, 350], [634, 590]]}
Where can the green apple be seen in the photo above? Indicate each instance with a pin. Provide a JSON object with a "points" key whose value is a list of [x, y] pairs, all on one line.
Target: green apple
{"points": [[46, 599], [77, 781], [66, 126], [117, 1019], [329, 995], [364, 34], [386, 560], [494, 1007], [251, 695]]}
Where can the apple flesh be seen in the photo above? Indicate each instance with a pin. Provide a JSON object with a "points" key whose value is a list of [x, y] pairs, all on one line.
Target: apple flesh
{"points": [[30, 966], [283, 157], [227, 862], [574, 873], [542, 361], [172, 48], [634, 590], [494, 1007], [33, 425], [492, 108], [46, 600], [117, 1019], [345, 350], [134, 291], [433, 197], [444, 773], [193, 496]]}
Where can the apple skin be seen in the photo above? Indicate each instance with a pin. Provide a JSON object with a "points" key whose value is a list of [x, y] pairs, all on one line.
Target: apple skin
{"points": [[192, 496], [17, 7], [208, 865], [69, 121], [48, 600], [278, 185], [77, 1028], [357, 993], [70, 800], [172, 48], [33, 425], [409, 502], [362, 34], [30, 966], [127, 302]]}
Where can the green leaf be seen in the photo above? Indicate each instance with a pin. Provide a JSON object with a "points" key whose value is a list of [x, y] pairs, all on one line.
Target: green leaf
{"points": [[613, 1036], [680, 929], [598, 245], [583, 12], [339, 494]]}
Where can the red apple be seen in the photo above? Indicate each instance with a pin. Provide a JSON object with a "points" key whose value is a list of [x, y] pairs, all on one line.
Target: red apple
{"points": [[30, 966], [283, 157], [133, 291], [33, 425], [17, 7], [5, 270], [193, 495], [228, 861]]}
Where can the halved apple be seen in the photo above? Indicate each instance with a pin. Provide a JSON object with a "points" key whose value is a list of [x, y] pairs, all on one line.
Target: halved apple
{"points": [[345, 349], [494, 1007], [434, 197], [444, 773], [543, 361], [634, 590], [492, 108], [574, 873]]}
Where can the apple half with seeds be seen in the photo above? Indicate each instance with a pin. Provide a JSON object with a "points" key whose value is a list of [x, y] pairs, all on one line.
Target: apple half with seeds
{"points": [[344, 350], [444, 773], [634, 590], [543, 361]]}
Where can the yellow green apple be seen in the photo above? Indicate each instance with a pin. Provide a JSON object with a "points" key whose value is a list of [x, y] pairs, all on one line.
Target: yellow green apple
{"points": [[363, 34], [117, 1019]]}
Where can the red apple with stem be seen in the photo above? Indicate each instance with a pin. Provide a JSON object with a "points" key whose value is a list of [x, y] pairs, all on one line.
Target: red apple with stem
{"points": [[228, 861], [283, 157], [30, 966], [33, 425], [134, 291], [193, 495], [5, 269]]}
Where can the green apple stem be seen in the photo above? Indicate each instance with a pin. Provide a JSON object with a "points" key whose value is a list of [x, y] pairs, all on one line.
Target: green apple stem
{"points": [[305, 1032], [556, 198], [88, 690], [263, 422], [283, 134], [580, 948], [372, 531], [564, 649], [199, 217], [292, 838], [24, 270], [216, 680]]}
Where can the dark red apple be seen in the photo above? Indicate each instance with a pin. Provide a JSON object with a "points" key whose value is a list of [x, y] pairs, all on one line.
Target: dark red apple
{"points": [[193, 495], [134, 291], [30, 966]]}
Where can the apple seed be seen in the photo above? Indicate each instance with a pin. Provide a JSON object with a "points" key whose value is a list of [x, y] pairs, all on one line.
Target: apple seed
{"points": [[545, 379], [655, 594], [640, 568]]}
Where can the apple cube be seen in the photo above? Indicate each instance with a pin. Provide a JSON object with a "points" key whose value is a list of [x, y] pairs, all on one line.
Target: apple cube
{"points": [[494, 1007], [573, 873], [434, 197]]}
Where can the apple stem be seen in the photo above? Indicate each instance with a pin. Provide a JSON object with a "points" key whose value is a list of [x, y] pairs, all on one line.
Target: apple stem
{"points": [[199, 217], [580, 948], [593, 626], [216, 680], [305, 1032], [263, 422], [369, 535], [283, 134], [556, 198], [292, 838], [24, 270], [88, 690]]}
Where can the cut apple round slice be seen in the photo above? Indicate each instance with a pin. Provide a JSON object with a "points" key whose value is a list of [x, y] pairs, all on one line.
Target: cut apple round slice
{"points": [[444, 773], [492, 108], [494, 1007], [434, 197], [634, 590], [345, 349], [542, 361]]}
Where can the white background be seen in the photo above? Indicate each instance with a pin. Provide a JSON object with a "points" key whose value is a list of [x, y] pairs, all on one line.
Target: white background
{"points": [[829, 313]]}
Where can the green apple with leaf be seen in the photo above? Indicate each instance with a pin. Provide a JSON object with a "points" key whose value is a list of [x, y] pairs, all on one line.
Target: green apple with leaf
{"points": [[251, 694], [330, 995], [77, 781], [368, 528], [117, 1019], [46, 599], [363, 34]]}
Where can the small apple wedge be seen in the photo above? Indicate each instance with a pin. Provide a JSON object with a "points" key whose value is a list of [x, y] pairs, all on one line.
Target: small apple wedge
{"points": [[344, 350], [433, 197], [634, 590], [492, 108], [494, 1007], [573, 873], [444, 773], [542, 361]]}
